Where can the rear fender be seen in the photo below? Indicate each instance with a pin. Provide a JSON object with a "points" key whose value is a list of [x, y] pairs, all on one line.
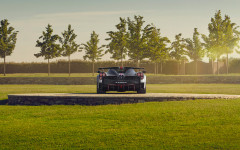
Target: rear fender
{"points": [[144, 81]]}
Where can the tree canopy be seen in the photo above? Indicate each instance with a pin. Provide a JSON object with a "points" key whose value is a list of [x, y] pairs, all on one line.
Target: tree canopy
{"points": [[178, 48], [118, 41], [8, 38], [137, 41], [69, 45], [49, 47]]}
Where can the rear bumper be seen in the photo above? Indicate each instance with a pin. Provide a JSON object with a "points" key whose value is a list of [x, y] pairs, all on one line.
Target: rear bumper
{"points": [[121, 87], [129, 83]]}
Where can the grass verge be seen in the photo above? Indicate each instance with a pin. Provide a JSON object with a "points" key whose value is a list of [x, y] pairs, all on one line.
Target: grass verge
{"points": [[151, 88], [199, 124]]}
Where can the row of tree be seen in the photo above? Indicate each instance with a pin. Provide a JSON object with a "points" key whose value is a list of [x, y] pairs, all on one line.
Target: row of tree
{"points": [[137, 41], [53, 46]]}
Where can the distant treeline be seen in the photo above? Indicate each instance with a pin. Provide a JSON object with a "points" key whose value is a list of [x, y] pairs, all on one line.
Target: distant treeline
{"points": [[133, 39], [80, 66]]}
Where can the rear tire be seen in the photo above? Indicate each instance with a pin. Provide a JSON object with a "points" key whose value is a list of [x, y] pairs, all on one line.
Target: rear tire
{"points": [[99, 91], [141, 91]]}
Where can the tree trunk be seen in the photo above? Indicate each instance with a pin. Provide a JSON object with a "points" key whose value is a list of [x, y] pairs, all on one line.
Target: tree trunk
{"points": [[69, 66], [184, 67], [137, 61], [212, 63], [196, 67], [178, 68], [161, 67], [4, 65], [121, 59], [93, 68], [155, 68], [117, 62], [48, 67], [217, 67], [227, 63]]}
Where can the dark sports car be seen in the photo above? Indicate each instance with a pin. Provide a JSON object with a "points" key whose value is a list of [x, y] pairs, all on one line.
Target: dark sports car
{"points": [[121, 79]]}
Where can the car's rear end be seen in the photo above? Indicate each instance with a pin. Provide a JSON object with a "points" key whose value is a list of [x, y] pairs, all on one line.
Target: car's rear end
{"points": [[121, 83], [121, 79]]}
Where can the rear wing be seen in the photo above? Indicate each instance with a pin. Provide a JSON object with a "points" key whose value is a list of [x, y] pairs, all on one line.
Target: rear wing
{"points": [[119, 68]]}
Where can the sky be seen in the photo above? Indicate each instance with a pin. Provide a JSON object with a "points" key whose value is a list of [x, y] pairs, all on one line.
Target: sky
{"points": [[30, 17]]}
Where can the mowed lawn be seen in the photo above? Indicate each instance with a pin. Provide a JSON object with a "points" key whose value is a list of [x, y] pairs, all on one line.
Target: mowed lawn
{"points": [[193, 124], [151, 88]]}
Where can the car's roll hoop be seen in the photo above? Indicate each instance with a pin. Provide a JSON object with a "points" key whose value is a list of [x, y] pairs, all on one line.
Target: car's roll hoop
{"points": [[104, 68], [119, 68]]}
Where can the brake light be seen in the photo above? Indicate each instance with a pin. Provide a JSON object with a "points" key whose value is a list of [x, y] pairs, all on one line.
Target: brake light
{"points": [[101, 75], [140, 74]]}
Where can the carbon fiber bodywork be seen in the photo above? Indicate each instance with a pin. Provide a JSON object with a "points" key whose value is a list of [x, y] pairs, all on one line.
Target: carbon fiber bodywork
{"points": [[127, 83], [124, 79]]}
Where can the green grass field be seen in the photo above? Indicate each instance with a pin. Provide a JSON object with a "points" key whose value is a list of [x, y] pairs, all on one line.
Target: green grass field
{"points": [[198, 124], [151, 88], [194, 124]]}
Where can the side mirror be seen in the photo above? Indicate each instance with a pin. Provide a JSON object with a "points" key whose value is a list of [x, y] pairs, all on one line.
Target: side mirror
{"points": [[144, 71], [98, 71]]}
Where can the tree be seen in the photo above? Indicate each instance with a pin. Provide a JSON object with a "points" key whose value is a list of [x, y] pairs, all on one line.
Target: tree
{"points": [[118, 41], [157, 47], [69, 45], [137, 40], [49, 48], [216, 31], [231, 37], [223, 37], [178, 49], [8, 39], [93, 52], [208, 48], [214, 42], [194, 48]]}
